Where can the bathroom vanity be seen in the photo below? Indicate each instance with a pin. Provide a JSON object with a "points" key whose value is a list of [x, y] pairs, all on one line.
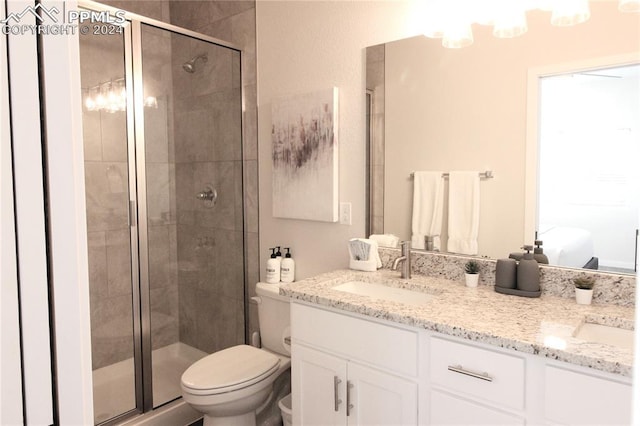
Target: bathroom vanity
{"points": [[432, 351]]}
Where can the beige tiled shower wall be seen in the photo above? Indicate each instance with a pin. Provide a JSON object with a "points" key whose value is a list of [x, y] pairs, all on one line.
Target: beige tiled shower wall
{"points": [[212, 295]]}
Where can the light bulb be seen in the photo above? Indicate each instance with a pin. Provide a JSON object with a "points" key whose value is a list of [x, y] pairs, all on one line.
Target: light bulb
{"points": [[457, 37], [151, 101], [629, 6], [510, 21], [89, 103], [570, 12], [100, 101], [435, 18]]}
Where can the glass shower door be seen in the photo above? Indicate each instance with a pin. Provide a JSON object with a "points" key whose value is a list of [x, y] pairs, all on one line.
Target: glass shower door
{"points": [[108, 191], [190, 192]]}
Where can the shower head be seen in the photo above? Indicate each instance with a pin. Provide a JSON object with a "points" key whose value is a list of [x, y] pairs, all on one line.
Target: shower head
{"points": [[190, 66]]}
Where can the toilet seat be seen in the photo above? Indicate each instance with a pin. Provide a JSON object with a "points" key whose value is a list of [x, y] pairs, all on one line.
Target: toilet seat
{"points": [[228, 370]]}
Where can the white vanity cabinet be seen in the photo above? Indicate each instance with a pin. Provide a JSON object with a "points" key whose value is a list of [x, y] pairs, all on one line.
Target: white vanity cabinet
{"points": [[350, 371]]}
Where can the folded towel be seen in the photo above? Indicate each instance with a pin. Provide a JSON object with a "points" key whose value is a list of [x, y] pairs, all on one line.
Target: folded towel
{"points": [[464, 212], [385, 240], [428, 190]]}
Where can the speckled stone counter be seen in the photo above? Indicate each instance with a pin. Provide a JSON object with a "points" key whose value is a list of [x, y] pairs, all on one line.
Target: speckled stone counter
{"points": [[542, 326]]}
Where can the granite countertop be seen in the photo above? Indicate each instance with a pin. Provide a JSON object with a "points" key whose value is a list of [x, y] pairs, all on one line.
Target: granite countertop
{"points": [[542, 326]]}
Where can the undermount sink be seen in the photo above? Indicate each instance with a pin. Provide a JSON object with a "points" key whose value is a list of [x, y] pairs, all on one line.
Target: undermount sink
{"points": [[384, 292], [605, 334]]}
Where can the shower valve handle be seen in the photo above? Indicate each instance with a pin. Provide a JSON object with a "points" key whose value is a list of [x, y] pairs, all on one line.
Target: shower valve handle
{"points": [[209, 194]]}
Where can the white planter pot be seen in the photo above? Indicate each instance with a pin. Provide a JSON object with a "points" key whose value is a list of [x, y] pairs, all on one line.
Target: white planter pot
{"points": [[471, 280], [583, 296]]}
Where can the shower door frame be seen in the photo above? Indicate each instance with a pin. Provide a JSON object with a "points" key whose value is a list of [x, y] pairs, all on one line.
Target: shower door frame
{"points": [[138, 224]]}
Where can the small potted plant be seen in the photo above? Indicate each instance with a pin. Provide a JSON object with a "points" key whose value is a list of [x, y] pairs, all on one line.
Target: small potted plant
{"points": [[471, 273], [584, 289]]}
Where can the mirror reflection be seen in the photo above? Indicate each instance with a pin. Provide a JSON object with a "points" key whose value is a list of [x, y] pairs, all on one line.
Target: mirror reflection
{"points": [[474, 109], [588, 206]]}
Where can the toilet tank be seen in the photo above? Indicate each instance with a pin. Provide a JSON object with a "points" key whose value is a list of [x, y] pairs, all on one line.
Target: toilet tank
{"points": [[273, 317]]}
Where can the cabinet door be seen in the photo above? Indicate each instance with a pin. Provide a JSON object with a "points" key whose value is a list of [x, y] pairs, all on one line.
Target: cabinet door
{"points": [[449, 410], [571, 397], [318, 382], [377, 398]]}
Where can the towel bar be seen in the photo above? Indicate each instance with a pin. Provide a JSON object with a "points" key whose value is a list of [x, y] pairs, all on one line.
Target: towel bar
{"points": [[488, 174]]}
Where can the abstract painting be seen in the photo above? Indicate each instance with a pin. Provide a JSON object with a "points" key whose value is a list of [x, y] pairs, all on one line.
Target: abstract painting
{"points": [[304, 135]]}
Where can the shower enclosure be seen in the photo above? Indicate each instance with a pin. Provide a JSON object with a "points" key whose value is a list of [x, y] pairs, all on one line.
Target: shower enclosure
{"points": [[162, 124]]}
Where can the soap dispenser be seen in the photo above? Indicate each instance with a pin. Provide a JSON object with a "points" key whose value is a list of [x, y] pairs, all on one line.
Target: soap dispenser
{"points": [[273, 268], [528, 272], [287, 268], [538, 255]]}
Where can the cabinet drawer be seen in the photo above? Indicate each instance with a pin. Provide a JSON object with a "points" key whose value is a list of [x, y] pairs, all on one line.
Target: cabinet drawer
{"points": [[393, 349], [575, 398], [478, 372], [449, 410]]}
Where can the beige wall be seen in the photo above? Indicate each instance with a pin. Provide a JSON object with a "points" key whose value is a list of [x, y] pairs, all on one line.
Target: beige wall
{"points": [[306, 46], [466, 110]]}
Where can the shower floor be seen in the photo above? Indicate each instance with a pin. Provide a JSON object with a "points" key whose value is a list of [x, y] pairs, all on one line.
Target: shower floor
{"points": [[113, 385]]}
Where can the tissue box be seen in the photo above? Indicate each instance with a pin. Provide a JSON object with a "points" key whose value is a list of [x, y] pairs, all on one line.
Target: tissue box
{"points": [[363, 255]]}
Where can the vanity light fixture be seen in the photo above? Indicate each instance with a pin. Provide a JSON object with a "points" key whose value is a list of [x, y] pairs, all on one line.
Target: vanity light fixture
{"points": [[451, 20], [629, 6], [111, 96]]}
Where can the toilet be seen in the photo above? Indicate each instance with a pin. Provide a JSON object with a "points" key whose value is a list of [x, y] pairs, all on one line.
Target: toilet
{"points": [[230, 385]]}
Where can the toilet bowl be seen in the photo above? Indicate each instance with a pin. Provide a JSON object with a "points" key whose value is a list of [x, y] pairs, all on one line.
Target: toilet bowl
{"points": [[230, 385]]}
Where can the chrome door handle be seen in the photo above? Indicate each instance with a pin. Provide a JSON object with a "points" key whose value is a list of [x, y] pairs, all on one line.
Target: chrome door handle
{"points": [[349, 404], [336, 401], [460, 370]]}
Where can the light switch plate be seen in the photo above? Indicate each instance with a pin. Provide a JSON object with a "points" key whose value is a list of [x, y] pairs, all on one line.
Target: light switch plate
{"points": [[345, 213]]}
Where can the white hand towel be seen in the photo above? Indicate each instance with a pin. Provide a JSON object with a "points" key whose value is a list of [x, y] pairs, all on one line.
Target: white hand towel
{"points": [[464, 212], [385, 240], [428, 190]]}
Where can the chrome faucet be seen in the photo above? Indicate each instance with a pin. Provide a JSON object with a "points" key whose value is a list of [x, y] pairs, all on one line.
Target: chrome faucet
{"points": [[405, 259]]}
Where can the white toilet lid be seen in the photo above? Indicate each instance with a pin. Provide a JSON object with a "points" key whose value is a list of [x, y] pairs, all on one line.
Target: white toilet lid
{"points": [[229, 369]]}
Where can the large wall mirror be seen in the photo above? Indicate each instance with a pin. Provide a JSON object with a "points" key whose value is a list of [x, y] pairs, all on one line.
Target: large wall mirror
{"points": [[505, 105]]}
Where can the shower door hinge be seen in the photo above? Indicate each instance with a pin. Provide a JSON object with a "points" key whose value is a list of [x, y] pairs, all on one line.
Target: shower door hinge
{"points": [[132, 213]]}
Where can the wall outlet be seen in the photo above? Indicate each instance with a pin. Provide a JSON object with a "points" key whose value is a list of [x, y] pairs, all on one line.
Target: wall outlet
{"points": [[345, 213]]}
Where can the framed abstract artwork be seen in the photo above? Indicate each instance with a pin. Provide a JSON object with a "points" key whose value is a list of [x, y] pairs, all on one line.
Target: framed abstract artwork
{"points": [[304, 136]]}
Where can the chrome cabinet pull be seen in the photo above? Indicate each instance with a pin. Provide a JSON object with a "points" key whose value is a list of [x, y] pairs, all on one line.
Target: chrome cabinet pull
{"points": [[459, 369], [336, 400], [349, 404]]}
